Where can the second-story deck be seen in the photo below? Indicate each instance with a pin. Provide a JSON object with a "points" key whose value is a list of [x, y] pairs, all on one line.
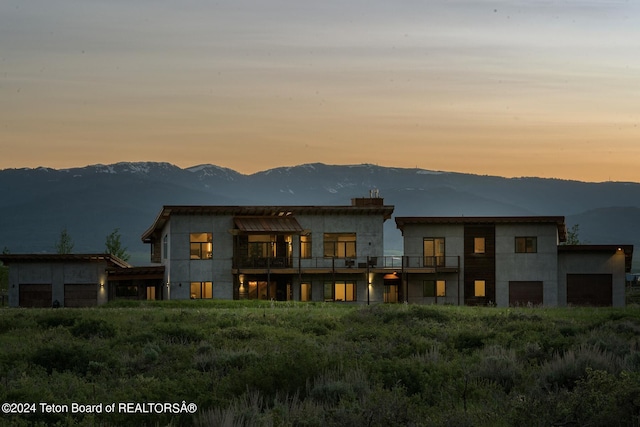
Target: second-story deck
{"points": [[322, 265]]}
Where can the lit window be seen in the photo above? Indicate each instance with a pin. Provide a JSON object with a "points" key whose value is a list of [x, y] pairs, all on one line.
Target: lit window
{"points": [[201, 290], [433, 288], [526, 244], [305, 292], [434, 252], [341, 291], [262, 246], [305, 246], [478, 245], [340, 245], [201, 245], [479, 288]]}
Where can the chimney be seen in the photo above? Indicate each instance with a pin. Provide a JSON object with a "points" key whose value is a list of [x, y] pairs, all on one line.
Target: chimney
{"points": [[374, 199]]}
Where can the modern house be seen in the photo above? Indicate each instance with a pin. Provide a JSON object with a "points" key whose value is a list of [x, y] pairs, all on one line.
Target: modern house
{"points": [[507, 261], [334, 254], [302, 253]]}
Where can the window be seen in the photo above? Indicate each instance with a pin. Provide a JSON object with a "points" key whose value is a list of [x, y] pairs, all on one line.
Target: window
{"points": [[478, 245], [201, 245], [305, 291], [434, 252], [126, 289], [165, 246], [434, 288], [341, 291], [479, 288], [261, 246], [340, 245], [305, 246], [201, 290], [526, 244]]}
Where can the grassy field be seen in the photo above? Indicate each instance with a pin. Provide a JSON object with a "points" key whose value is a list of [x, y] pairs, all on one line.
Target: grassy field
{"points": [[316, 364]]}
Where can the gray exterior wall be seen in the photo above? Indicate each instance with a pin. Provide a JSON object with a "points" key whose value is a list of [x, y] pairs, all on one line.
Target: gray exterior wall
{"points": [[180, 270], [539, 266], [593, 263], [56, 274]]}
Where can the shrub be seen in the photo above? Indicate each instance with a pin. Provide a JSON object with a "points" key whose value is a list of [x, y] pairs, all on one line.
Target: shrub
{"points": [[89, 328]]}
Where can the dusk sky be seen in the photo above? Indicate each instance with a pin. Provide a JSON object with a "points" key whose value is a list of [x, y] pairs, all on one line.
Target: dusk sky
{"points": [[509, 88]]}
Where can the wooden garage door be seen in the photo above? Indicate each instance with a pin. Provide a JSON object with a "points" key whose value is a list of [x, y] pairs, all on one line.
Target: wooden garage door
{"points": [[524, 293], [590, 289], [35, 296], [81, 295]]}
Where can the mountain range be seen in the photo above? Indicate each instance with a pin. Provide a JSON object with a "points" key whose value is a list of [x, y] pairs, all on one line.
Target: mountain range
{"points": [[92, 201]]}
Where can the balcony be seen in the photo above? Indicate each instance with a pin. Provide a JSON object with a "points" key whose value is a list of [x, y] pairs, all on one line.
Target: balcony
{"points": [[417, 264]]}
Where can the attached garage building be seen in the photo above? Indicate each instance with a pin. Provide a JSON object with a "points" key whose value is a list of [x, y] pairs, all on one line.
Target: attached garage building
{"points": [[64, 280]]}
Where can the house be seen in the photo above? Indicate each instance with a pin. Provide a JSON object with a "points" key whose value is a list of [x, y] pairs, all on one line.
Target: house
{"points": [[302, 253], [507, 261], [77, 280]]}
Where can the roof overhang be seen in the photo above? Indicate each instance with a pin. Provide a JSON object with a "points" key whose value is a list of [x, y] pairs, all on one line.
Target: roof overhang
{"points": [[69, 258], [267, 225]]}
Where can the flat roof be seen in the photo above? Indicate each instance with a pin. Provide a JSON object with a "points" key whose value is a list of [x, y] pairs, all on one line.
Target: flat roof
{"points": [[403, 221], [24, 258], [263, 211]]}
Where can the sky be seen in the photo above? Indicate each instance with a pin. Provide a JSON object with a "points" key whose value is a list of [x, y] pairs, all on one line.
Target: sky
{"points": [[505, 87]]}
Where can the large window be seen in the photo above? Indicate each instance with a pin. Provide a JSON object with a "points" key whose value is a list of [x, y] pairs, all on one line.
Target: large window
{"points": [[305, 246], [261, 246], [201, 290], [341, 291], [434, 288], [340, 245], [526, 244], [305, 292], [434, 252], [201, 245]]}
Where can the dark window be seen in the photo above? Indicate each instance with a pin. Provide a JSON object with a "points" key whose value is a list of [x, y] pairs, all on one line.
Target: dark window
{"points": [[526, 244]]}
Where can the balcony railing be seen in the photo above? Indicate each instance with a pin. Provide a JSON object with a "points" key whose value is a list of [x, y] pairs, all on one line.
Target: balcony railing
{"points": [[385, 262]]}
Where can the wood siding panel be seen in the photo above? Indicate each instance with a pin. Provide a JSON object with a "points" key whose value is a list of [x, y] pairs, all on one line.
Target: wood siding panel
{"points": [[479, 266], [523, 293], [590, 290]]}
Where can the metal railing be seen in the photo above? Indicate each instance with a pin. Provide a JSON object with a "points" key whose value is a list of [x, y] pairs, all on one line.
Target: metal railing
{"points": [[368, 262]]}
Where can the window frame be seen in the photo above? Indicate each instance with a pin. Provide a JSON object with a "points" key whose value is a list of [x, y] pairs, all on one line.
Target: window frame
{"points": [[332, 288], [336, 245], [198, 248], [205, 288], [526, 244], [479, 245], [432, 288], [476, 287], [438, 248], [308, 295], [306, 246]]}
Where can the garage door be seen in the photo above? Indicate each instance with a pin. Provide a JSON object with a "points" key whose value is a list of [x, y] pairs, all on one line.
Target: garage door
{"points": [[81, 295], [35, 296], [524, 293], [590, 289]]}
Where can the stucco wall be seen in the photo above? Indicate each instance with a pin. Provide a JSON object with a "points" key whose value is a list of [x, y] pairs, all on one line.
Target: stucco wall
{"points": [[539, 266], [593, 263]]}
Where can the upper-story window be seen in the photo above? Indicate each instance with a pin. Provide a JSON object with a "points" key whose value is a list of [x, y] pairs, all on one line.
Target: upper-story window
{"points": [[526, 244], [434, 251], [478, 245], [305, 246], [340, 245], [201, 245], [165, 247]]}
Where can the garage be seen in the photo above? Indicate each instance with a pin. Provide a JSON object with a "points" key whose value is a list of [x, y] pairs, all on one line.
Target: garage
{"points": [[590, 290], [523, 293], [35, 296], [81, 295]]}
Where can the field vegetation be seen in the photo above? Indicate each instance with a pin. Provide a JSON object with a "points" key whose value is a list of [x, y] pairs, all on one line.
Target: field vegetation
{"points": [[319, 364]]}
